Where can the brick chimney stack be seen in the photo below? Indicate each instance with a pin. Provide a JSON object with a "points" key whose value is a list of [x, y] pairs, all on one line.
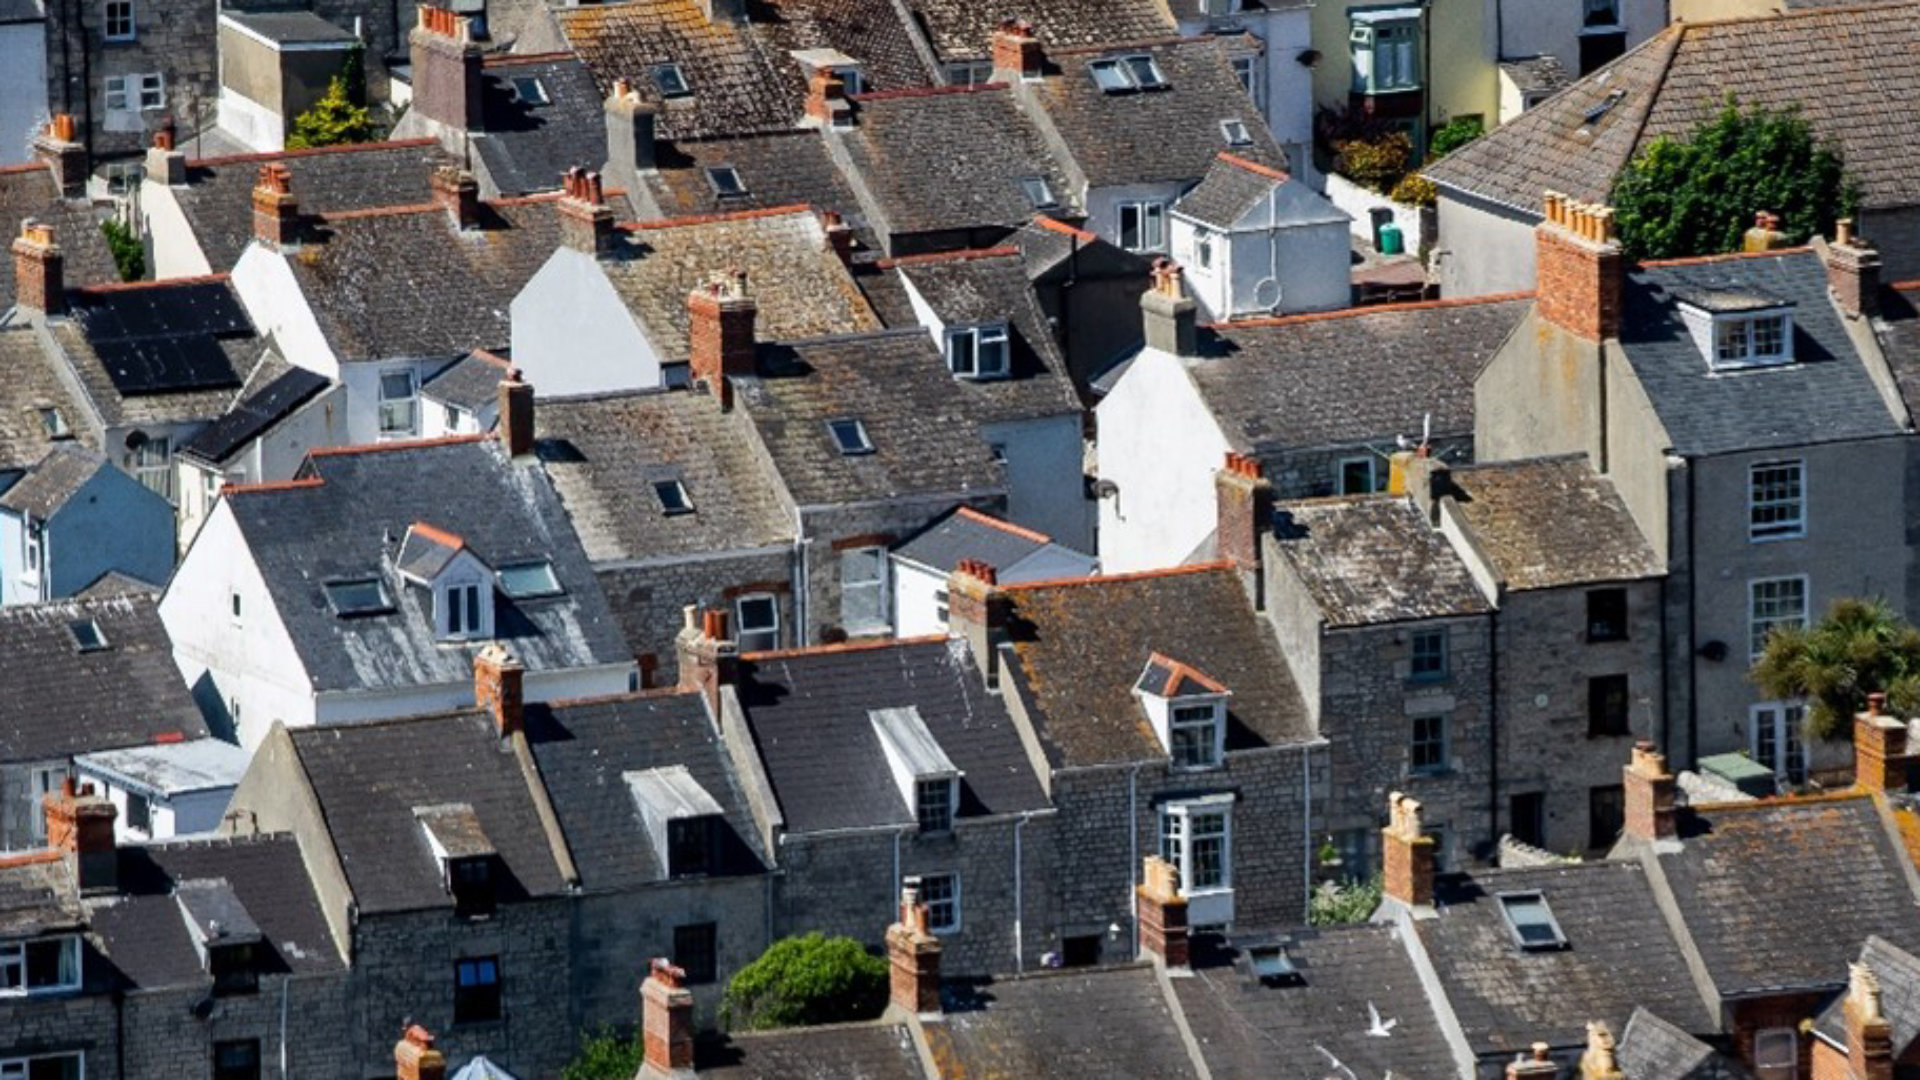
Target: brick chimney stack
{"points": [[1650, 789], [666, 1020], [165, 162], [516, 414], [57, 146], [414, 1056], [827, 103], [720, 337], [39, 270], [458, 193], [586, 221], [1538, 1065], [914, 955], [1579, 268], [1407, 854], [1161, 913], [1243, 498], [977, 611], [839, 235], [1853, 271], [446, 69], [1881, 759], [1017, 53], [1168, 313], [276, 214], [709, 657], [1598, 1061], [630, 145], [1869, 1034], [80, 823], [499, 687], [1765, 234]]}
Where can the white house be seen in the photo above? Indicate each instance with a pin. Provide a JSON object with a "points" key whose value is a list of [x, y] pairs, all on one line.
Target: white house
{"points": [[167, 789], [263, 439], [1255, 240], [921, 566]]}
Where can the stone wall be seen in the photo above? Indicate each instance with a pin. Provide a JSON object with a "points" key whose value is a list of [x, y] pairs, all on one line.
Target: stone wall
{"points": [[612, 936], [648, 600], [1315, 472], [829, 531], [167, 1039]]}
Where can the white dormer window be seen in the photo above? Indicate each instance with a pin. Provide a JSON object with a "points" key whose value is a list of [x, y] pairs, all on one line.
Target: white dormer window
{"points": [[1187, 710], [1737, 328], [1235, 132], [1752, 340], [459, 607], [928, 781], [685, 823], [978, 352], [462, 585]]}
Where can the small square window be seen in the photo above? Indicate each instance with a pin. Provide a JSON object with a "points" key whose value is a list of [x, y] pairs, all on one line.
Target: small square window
{"points": [[529, 580], [850, 436], [941, 894], [1607, 615], [1429, 749], [152, 95], [935, 805], [238, 1059], [1236, 133], [977, 352], [86, 635], [118, 93], [1608, 702], [357, 596], [1356, 476], [1531, 921], [696, 951], [1429, 656], [55, 423], [690, 846], [1143, 226], [117, 16], [671, 81], [725, 181], [673, 497], [476, 990], [758, 615], [1039, 192], [528, 90]]}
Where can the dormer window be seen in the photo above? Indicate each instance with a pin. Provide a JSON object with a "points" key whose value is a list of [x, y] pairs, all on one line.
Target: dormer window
{"points": [[682, 820], [349, 597], [222, 932], [459, 610], [978, 352], [470, 880], [1750, 341], [1531, 921], [465, 854], [1126, 74], [928, 781], [690, 847], [1039, 193], [671, 81], [529, 580], [1195, 736], [725, 181], [528, 90], [934, 802], [462, 585], [1235, 132], [1737, 328], [1187, 710], [86, 635], [850, 436]]}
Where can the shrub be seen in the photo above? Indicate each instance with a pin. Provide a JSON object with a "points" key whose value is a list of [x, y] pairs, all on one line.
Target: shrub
{"points": [[1415, 190], [604, 1055], [1334, 903], [129, 254], [1860, 647], [806, 980], [332, 121], [1454, 135], [1378, 163]]}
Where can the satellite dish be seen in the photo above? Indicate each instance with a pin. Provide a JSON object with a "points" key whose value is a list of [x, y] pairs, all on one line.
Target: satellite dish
{"points": [[1266, 295]]}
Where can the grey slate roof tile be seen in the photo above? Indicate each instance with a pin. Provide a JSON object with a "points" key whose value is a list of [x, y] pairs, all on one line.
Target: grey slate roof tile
{"points": [[527, 145], [28, 191], [1082, 645], [1898, 972], [967, 534], [1898, 328], [291, 27], [961, 29], [471, 382], [983, 288], [48, 485], [882, 1051], [1226, 192], [777, 168], [1652, 1049], [37, 896], [1368, 559], [808, 713], [253, 415], [1043, 1025], [31, 386], [1550, 522]]}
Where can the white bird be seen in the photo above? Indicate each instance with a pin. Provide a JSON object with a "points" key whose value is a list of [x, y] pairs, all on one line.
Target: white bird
{"points": [[1377, 1027], [1336, 1063]]}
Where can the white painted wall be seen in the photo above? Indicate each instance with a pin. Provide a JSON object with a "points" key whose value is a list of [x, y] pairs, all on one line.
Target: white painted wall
{"points": [[189, 814], [1160, 446], [573, 334], [1103, 205], [171, 242], [1296, 240], [1359, 204], [1533, 28], [19, 584], [916, 603], [360, 404], [1483, 248], [252, 123], [270, 459], [346, 707], [23, 88], [278, 307]]}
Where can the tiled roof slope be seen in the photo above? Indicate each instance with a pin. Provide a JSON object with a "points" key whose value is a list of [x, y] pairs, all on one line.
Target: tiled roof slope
{"points": [[31, 386], [1365, 376], [831, 1052], [1158, 136], [1368, 559], [993, 288], [1852, 71], [1289, 1031], [1086, 1024], [874, 33], [1652, 1049], [1082, 645], [37, 895], [777, 168], [1899, 332], [369, 778], [961, 29], [1226, 192], [48, 485], [28, 191], [471, 382], [61, 701], [1826, 395], [735, 87], [1898, 972], [1780, 895], [217, 198], [924, 430], [585, 748], [948, 159], [809, 716], [1551, 522], [604, 454], [800, 286], [1619, 955], [526, 145]]}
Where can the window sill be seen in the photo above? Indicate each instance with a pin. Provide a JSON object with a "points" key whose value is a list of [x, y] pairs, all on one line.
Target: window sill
{"points": [[1439, 773], [1430, 680], [1776, 538]]}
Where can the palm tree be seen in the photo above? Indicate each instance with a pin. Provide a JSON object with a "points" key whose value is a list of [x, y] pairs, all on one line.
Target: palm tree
{"points": [[1861, 646]]}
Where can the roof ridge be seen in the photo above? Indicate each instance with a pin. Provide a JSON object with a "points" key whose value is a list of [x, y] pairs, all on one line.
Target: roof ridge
{"points": [[126, 286], [1356, 312], [1254, 167], [927, 91], [1116, 579], [23, 167], [1725, 256], [32, 858], [842, 647], [275, 486], [1001, 252], [1849, 794], [312, 151], [491, 357], [376, 211], [1772, 16], [651, 693], [708, 219], [1005, 526], [397, 444], [438, 535]]}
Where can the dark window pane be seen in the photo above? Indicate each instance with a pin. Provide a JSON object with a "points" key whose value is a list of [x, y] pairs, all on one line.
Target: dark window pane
{"points": [[1606, 815], [695, 951], [1607, 615], [1607, 705]]}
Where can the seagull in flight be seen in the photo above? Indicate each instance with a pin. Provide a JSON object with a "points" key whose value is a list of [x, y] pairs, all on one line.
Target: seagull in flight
{"points": [[1377, 1027]]}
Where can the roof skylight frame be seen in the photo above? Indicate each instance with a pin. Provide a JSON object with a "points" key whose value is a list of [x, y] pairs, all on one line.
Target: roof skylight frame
{"points": [[357, 597], [726, 182], [849, 436], [1145, 71], [87, 635], [672, 80], [1531, 922], [529, 579], [1235, 131], [529, 90], [1039, 193], [1271, 965], [671, 493]]}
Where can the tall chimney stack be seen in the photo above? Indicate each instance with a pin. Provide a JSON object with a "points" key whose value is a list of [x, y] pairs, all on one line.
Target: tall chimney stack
{"points": [[276, 214], [1650, 789], [1598, 1062], [446, 70], [977, 611], [1243, 498], [57, 146], [516, 429], [1578, 268], [827, 103], [39, 270], [586, 221], [80, 823], [1017, 53], [456, 192], [666, 1020], [913, 953], [1161, 913], [1869, 1033], [1168, 314], [720, 338], [1881, 758], [630, 145], [1853, 271], [499, 687], [1407, 854], [709, 657]]}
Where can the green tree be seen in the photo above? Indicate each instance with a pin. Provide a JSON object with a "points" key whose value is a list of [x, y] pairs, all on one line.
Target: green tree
{"points": [[1334, 903], [129, 254], [332, 120], [1453, 135], [806, 980], [1860, 647], [1698, 195], [604, 1055]]}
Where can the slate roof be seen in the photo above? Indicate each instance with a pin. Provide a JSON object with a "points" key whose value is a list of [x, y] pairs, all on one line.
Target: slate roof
{"points": [[1044, 1025], [1363, 376], [48, 485], [369, 806], [1899, 974], [1227, 190], [1289, 1030], [1016, 553], [253, 415], [37, 895], [291, 27], [145, 938], [583, 750], [923, 424], [1081, 646], [1653, 1049], [61, 701], [1780, 894], [350, 525], [1371, 559], [800, 286], [12, 11], [777, 168], [33, 385], [405, 282], [808, 712], [1685, 73], [605, 453], [1825, 395], [993, 286], [1550, 522], [1536, 74], [470, 383], [1898, 328], [28, 191], [962, 29], [525, 145], [1619, 955], [1158, 136], [217, 198], [831, 1052], [947, 159]]}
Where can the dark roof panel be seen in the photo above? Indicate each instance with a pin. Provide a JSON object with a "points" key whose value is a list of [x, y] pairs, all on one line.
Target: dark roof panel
{"points": [[251, 418]]}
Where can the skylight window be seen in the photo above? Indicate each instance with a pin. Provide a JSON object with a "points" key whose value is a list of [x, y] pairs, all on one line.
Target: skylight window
{"points": [[850, 436], [1146, 73], [1600, 110], [1271, 965], [528, 90], [528, 580], [671, 81], [86, 635], [1531, 921], [1039, 192], [1235, 132], [55, 423], [673, 497], [357, 596], [1111, 76], [726, 182]]}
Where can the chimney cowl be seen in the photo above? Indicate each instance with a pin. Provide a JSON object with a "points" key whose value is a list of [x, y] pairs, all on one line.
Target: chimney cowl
{"points": [[586, 221], [276, 213], [1578, 263], [1170, 317]]}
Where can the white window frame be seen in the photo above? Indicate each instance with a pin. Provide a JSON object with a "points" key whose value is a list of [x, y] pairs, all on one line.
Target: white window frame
{"points": [[1235, 132], [1774, 731], [1177, 838], [107, 10], [1150, 224], [1736, 341], [1340, 468], [1784, 527], [1778, 1066], [13, 959], [1372, 42], [390, 406], [118, 93], [935, 921], [136, 93], [751, 637], [1758, 626], [877, 586], [464, 618], [969, 72], [151, 463], [1445, 764], [967, 349], [41, 782], [1208, 715], [153, 93]]}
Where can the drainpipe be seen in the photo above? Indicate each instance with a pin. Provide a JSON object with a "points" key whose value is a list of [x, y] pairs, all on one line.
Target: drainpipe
{"points": [[1306, 827], [1693, 627], [1019, 898], [1493, 729], [1133, 852]]}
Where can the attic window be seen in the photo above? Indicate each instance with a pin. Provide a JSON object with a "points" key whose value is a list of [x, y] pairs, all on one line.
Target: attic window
{"points": [[55, 424], [1271, 965], [357, 596], [529, 580], [850, 436], [1531, 921], [673, 497], [1146, 73], [1039, 192], [470, 881], [1125, 74], [527, 90], [978, 352], [1752, 340], [1235, 132], [1600, 110], [86, 635], [726, 181], [671, 81]]}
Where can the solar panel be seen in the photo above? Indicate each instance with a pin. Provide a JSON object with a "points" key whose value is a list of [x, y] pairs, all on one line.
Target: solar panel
{"points": [[165, 365], [164, 339]]}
